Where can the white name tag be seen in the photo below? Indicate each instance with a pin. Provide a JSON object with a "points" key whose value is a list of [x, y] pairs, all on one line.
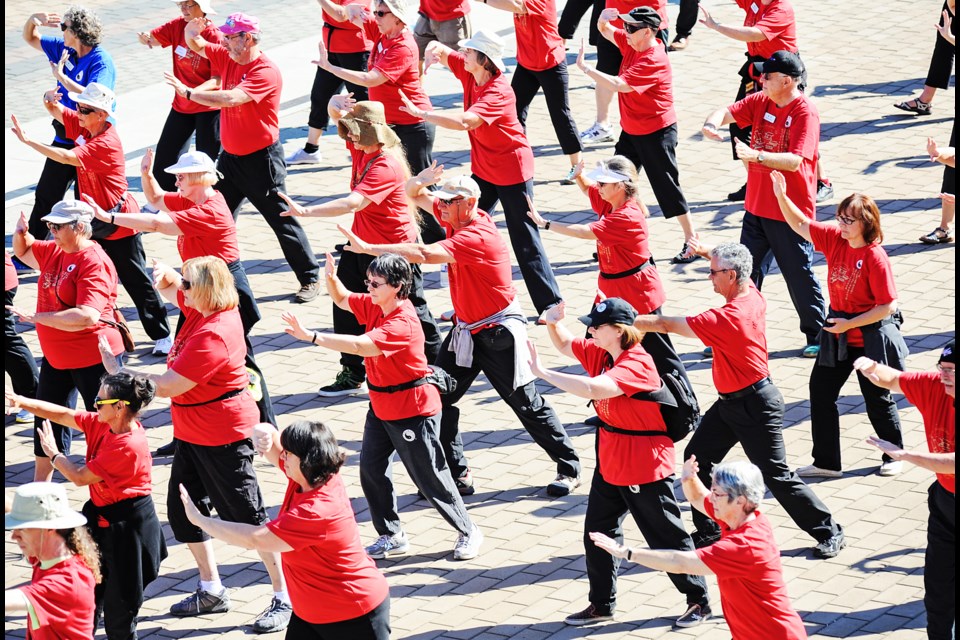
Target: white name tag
{"points": [[68, 65], [769, 117], [181, 51], [754, 7], [80, 141]]}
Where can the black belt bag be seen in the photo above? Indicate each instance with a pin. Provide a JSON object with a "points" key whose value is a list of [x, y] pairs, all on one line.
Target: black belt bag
{"points": [[226, 396], [439, 378], [746, 391], [628, 272]]}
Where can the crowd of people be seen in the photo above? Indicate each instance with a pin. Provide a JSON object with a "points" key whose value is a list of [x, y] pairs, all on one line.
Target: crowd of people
{"points": [[407, 211]]}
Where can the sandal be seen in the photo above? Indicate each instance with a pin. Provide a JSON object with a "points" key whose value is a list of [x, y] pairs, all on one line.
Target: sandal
{"points": [[916, 106], [937, 236]]}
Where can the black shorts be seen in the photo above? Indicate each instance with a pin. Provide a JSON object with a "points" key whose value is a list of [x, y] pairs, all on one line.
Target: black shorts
{"points": [[655, 154], [220, 478]]}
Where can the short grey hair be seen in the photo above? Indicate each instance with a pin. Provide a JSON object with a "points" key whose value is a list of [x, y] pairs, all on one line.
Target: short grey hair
{"points": [[84, 228], [740, 478], [622, 164], [733, 255]]}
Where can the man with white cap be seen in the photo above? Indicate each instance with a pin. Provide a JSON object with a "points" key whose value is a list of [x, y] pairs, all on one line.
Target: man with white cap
{"points": [[53, 538], [252, 158], [489, 333]]}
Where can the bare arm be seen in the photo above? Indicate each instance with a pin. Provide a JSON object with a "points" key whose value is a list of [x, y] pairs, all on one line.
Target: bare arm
{"points": [[743, 34], [719, 118], [360, 345], [785, 161], [23, 241], [695, 491], [686, 562], [876, 314], [879, 374], [582, 231], [339, 206], [791, 212], [47, 410], [31, 29], [664, 324], [412, 251], [945, 463], [248, 536], [63, 156]]}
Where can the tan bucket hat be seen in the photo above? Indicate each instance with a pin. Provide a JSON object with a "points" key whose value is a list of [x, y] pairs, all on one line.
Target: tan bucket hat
{"points": [[368, 121]]}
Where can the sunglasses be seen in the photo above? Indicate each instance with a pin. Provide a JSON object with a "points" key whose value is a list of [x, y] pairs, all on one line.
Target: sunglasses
{"points": [[64, 26], [100, 402], [85, 110], [446, 203], [370, 284], [380, 14], [846, 220], [54, 226], [633, 28], [185, 284]]}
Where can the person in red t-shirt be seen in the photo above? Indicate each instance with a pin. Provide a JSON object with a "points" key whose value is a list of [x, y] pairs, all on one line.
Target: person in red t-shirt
{"points": [[746, 560], [647, 116], [750, 408], [186, 117], [212, 412], [785, 137], [405, 406], [121, 516], [382, 213], [18, 360], [863, 320], [101, 178], [76, 294], [635, 456], [489, 332], [336, 590], [58, 602], [935, 395], [500, 155]]}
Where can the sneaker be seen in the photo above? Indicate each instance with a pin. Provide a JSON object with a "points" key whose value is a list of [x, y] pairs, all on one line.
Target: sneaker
{"points": [[447, 316], [811, 351], [812, 471], [890, 468], [307, 293], [388, 545], [300, 156], [594, 421], [685, 256], [149, 208], [346, 384], [703, 539], [465, 484], [707, 352], [167, 450], [937, 236], [694, 615], [562, 485], [274, 618], [162, 346], [739, 195], [590, 615], [830, 547], [200, 602], [824, 191], [597, 133], [679, 44], [23, 416], [568, 179], [468, 544]]}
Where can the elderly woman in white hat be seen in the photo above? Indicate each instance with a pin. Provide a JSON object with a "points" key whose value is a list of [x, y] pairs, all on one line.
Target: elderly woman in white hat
{"points": [[382, 215], [500, 155], [58, 602], [101, 178], [193, 70]]}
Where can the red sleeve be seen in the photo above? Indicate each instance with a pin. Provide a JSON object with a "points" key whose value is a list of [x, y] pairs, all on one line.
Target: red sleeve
{"points": [[380, 181], [71, 124], [883, 288], [805, 133], [99, 155], [299, 527], [775, 22], [394, 335], [370, 28], [94, 288], [641, 76], [86, 421], [361, 306], [261, 82], [712, 326], [455, 64], [201, 357], [54, 594], [176, 202], [824, 236], [490, 105], [218, 56], [580, 351], [598, 204], [42, 249], [166, 34], [465, 246], [744, 110], [728, 558]]}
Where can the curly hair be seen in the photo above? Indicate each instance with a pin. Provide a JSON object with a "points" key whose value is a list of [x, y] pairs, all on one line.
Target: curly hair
{"points": [[81, 543], [85, 24]]}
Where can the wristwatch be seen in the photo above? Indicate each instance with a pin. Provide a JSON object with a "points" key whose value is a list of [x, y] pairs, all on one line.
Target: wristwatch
{"points": [[760, 157]]}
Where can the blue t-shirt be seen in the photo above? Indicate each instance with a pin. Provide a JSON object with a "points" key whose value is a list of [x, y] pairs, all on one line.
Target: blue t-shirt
{"points": [[96, 66]]}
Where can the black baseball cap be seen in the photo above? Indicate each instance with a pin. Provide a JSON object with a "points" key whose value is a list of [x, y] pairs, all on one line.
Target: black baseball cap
{"points": [[610, 311], [947, 355], [646, 16], [789, 64]]}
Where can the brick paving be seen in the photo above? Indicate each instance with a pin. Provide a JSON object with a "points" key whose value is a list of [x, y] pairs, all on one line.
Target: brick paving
{"points": [[531, 571]]}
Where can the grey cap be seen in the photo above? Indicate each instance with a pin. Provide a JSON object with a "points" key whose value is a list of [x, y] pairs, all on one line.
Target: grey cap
{"points": [[42, 505], [67, 211]]}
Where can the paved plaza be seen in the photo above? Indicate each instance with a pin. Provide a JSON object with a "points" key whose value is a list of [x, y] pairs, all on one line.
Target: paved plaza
{"points": [[530, 574]]}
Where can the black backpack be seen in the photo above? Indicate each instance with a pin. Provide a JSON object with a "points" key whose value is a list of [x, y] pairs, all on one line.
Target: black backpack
{"points": [[678, 407]]}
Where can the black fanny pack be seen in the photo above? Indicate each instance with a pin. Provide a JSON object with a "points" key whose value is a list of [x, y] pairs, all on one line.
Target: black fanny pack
{"points": [[628, 272], [226, 396], [439, 378]]}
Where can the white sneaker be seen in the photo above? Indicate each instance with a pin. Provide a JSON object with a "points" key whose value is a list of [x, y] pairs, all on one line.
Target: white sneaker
{"points": [[811, 471], [890, 468], [162, 346], [597, 133], [387, 545], [468, 544], [149, 208], [302, 157]]}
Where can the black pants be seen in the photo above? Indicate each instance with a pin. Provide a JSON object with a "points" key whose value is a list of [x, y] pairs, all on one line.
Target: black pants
{"points": [[493, 353], [940, 564], [825, 385], [18, 360], [374, 625], [175, 140], [949, 183], [656, 155], [258, 176], [769, 239], [326, 85], [554, 82], [51, 186], [656, 512], [417, 140], [941, 63], [525, 239], [351, 270], [687, 18], [60, 386], [756, 422], [130, 260], [573, 13]]}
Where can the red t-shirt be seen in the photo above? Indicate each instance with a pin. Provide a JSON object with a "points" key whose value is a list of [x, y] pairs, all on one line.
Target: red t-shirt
{"points": [[102, 173], [794, 128], [400, 337], [925, 391], [329, 575], [210, 352], [858, 279], [626, 6], [122, 460], [189, 67], [253, 125], [753, 592], [388, 218], [207, 229], [539, 45], [481, 279], [737, 331], [776, 21], [86, 278], [442, 10], [345, 37], [10, 280], [62, 597], [649, 107], [622, 244], [499, 150], [627, 460], [398, 59]]}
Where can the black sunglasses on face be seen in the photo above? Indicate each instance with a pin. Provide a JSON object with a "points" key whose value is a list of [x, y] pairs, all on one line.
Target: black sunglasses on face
{"points": [[64, 26], [185, 284], [370, 284], [53, 226], [85, 110], [633, 28], [380, 14]]}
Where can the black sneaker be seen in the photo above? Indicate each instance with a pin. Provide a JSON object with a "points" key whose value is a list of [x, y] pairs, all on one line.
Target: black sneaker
{"points": [[346, 383], [824, 191], [590, 615], [167, 450], [307, 293], [830, 547], [274, 618], [200, 602], [694, 615], [685, 256], [465, 484], [739, 195]]}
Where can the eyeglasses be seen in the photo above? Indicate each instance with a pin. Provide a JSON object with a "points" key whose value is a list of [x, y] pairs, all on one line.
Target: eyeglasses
{"points": [[185, 284], [85, 110], [718, 494], [446, 203], [380, 14], [54, 226], [372, 284], [235, 35], [633, 28], [714, 272], [948, 371], [100, 402], [847, 220], [64, 26]]}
